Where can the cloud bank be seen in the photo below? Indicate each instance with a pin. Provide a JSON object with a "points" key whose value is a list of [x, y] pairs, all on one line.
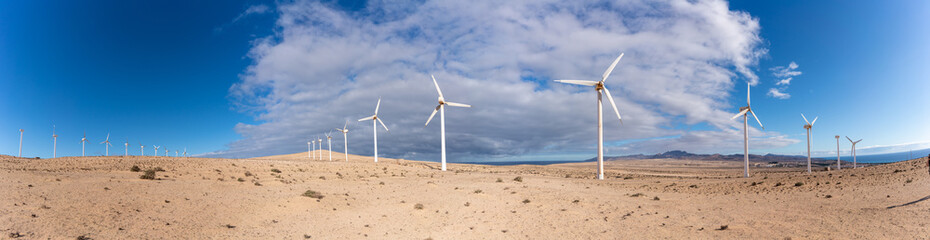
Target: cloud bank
{"points": [[324, 66]]}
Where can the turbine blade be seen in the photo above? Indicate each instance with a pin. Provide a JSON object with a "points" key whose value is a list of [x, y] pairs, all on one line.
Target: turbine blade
{"points": [[747, 94], [815, 121], [346, 126], [850, 139], [368, 118], [458, 104], [739, 114], [611, 68], [805, 119], [436, 84], [858, 141], [382, 124], [579, 82], [431, 115], [378, 106], [611, 100], [757, 118]]}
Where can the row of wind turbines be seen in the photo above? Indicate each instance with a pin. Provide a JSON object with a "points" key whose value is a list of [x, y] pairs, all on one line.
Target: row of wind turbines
{"points": [[106, 143]]}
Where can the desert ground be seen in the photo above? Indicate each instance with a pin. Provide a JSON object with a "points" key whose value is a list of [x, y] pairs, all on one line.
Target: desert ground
{"points": [[292, 197]]}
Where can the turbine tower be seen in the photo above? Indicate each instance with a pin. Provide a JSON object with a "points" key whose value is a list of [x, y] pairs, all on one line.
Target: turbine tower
{"points": [[598, 88], [55, 144], [314, 149], [838, 165], [320, 153], [853, 149], [127, 148], [175, 153], [374, 124], [309, 151], [156, 150], [442, 119], [329, 139], [141, 150], [107, 144], [184, 153], [808, 127], [166, 151], [21, 142], [345, 140], [745, 111], [83, 142]]}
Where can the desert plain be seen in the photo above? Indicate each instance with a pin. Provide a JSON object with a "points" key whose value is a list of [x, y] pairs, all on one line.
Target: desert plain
{"points": [[293, 197]]}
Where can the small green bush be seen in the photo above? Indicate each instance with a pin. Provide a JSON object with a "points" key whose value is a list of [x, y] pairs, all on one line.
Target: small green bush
{"points": [[518, 179], [149, 174], [135, 168], [275, 170], [418, 206], [313, 194]]}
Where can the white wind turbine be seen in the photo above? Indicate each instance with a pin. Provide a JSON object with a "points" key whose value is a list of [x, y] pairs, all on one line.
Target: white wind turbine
{"points": [[853, 149], [156, 150], [599, 87], [838, 165], [808, 127], [55, 144], [175, 153], [107, 144], [345, 140], [374, 121], [745, 111], [126, 147], [313, 142], [184, 154], [166, 151], [329, 139], [320, 153], [21, 142], [309, 150], [83, 142], [442, 119]]}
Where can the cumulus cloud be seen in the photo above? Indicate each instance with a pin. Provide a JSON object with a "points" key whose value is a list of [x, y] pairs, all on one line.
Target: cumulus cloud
{"points": [[324, 66], [776, 93], [786, 73]]}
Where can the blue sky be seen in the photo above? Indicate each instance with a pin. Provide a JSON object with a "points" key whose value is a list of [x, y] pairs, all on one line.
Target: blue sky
{"points": [[250, 78]]}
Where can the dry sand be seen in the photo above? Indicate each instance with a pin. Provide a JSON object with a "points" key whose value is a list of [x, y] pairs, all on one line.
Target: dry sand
{"points": [[197, 198]]}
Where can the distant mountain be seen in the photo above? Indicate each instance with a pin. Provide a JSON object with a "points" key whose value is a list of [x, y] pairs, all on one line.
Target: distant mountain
{"points": [[678, 154]]}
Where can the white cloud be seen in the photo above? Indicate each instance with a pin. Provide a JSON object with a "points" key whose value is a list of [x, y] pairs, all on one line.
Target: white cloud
{"points": [[786, 81], [252, 10], [786, 72], [324, 66], [776, 93]]}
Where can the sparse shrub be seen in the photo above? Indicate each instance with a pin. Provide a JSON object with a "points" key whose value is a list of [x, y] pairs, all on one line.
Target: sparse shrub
{"points": [[248, 174], [627, 178], [418, 206], [909, 180], [159, 169], [258, 184], [723, 227], [778, 184], [525, 201], [313, 194], [149, 174], [518, 179], [240, 180], [829, 196], [655, 198], [637, 195], [467, 204], [693, 186], [798, 184], [135, 168], [576, 201], [275, 170], [500, 180], [478, 191]]}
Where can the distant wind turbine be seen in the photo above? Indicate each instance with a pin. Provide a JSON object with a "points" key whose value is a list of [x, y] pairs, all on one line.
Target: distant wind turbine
{"points": [[374, 121], [184, 154], [156, 150], [345, 140], [600, 87], [141, 150], [320, 153], [107, 144], [442, 119], [329, 139], [838, 165], [21, 142], [55, 144], [309, 150], [808, 127], [853, 149], [83, 142], [166, 151], [745, 111], [127, 148], [314, 149]]}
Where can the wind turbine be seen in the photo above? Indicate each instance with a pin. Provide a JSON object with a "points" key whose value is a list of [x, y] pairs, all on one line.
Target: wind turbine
{"points": [[808, 126], [141, 150], [83, 142], [345, 140], [175, 153], [156, 150], [745, 111], [599, 87], [309, 151], [320, 140], [184, 153], [166, 151], [838, 165], [374, 124], [55, 144], [107, 144], [853, 149], [442, 119], [21, 142], [329, 138], [314, 149], [127, 148]]}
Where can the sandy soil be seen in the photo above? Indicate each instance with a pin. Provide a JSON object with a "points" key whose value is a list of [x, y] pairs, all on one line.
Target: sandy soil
{"points": [[196, 198]]}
